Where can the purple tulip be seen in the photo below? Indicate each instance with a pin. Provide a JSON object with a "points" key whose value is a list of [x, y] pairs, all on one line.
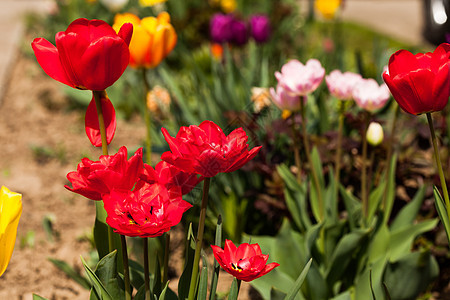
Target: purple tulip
{"points": [[221, 28], [239, 32], [260, 28]]}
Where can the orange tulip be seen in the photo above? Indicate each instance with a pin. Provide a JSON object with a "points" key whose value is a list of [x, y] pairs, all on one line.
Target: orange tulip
{"points": [[153, 38]]}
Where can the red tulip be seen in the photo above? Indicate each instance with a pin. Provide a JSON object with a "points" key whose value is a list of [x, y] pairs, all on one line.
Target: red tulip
{"points": [[93, 179], [147, 211], [92, 125], [420, 83], [171, 177], [89, 55], [206, 150], [245, 262]]}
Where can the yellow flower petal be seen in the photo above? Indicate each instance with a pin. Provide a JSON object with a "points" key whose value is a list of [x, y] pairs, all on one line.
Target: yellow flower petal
{"points": [[140, 46], [327, 8], [10, 211], [150, 2]]}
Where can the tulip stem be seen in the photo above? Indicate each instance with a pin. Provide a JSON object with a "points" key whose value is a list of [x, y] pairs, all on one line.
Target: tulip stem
{"points": [[198, 246], [147, 118], [364, 164], [388, 162], [146, 270], [126, 271], [296, 151], [337, 175], [438, 163], [98, 95], [308, 156], [166, 258]]}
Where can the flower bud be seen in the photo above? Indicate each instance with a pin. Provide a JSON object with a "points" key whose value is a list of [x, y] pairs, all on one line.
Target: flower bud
{"points": [[374, 134]]}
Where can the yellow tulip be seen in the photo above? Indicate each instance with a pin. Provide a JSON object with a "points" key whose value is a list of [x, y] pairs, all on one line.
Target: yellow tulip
{"points": [[228, 6], [327, 8], [153, 38], [10, 211], [150, 2]]}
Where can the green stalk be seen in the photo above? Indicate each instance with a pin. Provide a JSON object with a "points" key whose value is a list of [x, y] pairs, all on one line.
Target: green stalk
{"points": [[146, 270], [296, 151], [341, 109], [438, 163], [147, 119], [166, 258], [389, 155], [308, 156], [98, 95], [126, 271], [364, 196], [198, 246]]}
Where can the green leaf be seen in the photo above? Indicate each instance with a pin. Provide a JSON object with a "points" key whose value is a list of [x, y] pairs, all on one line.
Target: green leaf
{"points": [[203, 283], [362, 286], [185, 279], [136, 274], [107, 273], [421, 269], [408, 214], [314, 198], [298, 283], [215, 275], [379, 244], [343, 254], [66, 268], [353, 207], [234, 291], [401, 240], [390, 196], [375, 199], [442, 211], [331, 206], [37, 297], [276, 294], [98, 286], [168, 294]]}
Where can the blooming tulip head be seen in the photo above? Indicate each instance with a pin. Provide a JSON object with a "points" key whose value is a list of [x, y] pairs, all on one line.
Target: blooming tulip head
{"points": [[245, 262], [260, 28], [341, 85], [369, 95], [93, 179], [220, 28], [299, 79], [239, 32], [88, 55], [207, 151], [284, 100], [153, 38], [147, 211], [10, 211], [420, 83], [327, 8]]}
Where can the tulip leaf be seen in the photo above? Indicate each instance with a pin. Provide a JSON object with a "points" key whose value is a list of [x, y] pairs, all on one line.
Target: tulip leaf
{"points": [[343, 254], [343, 296], [106, 271], [353, 207], [37, 297], [276, 294], [66, 268], [314, 198], [362, 287], [442, 211], [390, 192], [203, 283], [215, 274], [298, 283], [98, 286], [375, 198], [409, 212], [157, 281], [379, 244], [140, 295], [421, 268], [331, 206], [295, 197], [167, 293], [136, 273], [185, 279], [402, 239], [234, 290]]}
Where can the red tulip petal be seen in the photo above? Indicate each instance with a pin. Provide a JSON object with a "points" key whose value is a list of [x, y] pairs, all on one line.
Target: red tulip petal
{"points": [[92, 125], [126, 32], [48, 58], [103, 62], [213, 132], [245, 250], [441, 87], [171, 141], [230, 251]]}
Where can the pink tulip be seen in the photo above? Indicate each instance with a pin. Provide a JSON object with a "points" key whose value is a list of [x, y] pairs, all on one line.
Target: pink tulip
{"points": [[369, 95], [341, 85], [284, 100], [298, 79]]}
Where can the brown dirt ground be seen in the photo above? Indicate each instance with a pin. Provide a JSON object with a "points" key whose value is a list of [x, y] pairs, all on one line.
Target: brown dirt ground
{"points": [[34, 115]]}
